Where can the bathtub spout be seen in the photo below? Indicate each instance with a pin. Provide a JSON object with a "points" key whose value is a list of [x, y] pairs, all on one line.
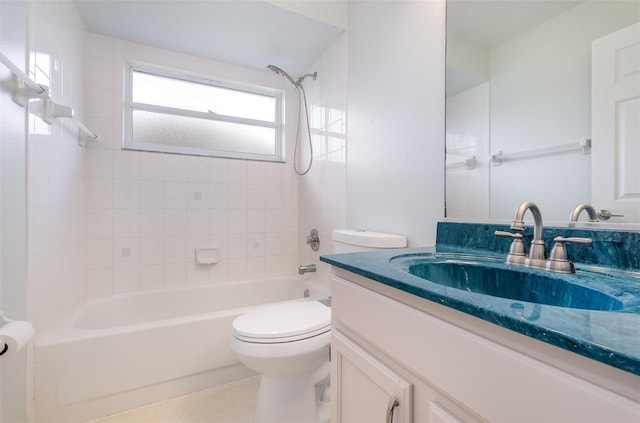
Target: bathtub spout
{"points": [[306, 269]]}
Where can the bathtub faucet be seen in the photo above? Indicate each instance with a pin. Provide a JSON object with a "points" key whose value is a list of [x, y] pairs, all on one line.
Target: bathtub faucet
{"points": [[306, 269]]}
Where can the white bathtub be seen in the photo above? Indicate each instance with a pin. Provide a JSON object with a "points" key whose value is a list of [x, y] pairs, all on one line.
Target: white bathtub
{"points": [[127, 350]]}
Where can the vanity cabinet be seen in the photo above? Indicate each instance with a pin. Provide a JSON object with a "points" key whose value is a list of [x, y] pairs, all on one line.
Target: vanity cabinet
{"points": [[443, 369]]}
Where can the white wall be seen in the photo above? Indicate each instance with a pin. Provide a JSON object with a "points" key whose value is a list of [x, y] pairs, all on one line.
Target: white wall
{"points": [[323, 190], [143, 220], [56, 183], [13, 289], [395, 86]]}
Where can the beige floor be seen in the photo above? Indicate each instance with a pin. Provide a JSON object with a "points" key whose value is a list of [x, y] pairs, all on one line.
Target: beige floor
{"points": [[232, 403]]}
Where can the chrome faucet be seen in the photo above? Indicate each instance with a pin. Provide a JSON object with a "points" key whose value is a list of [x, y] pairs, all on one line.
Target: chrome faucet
{"points": [[306, 269], [559, 260], [537, 255], [593, 215]]}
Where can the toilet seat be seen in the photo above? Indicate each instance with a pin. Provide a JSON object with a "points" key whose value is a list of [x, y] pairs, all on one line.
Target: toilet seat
{"points": [[281, 323]]}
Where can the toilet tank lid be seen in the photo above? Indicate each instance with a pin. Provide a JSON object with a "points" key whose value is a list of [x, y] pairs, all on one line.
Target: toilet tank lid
{"points": [[369, 239]]}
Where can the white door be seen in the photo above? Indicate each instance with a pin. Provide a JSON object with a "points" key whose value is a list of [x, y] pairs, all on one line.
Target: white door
{"points": [[615, 123]]}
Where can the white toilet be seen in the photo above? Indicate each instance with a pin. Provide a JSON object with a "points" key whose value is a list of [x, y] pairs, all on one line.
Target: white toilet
{"points": [[288, 344]]}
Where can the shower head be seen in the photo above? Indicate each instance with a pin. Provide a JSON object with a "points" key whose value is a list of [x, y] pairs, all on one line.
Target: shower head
{"points": [[282, 73]]}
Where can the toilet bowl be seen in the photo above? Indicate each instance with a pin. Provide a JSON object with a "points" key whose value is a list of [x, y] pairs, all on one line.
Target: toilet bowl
{"points": [[288, 344]]}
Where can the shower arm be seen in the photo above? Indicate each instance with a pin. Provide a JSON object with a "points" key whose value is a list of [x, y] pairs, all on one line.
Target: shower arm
{"points": [[302, 78]]}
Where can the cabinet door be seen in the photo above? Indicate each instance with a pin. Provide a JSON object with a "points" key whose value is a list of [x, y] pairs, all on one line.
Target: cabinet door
{"points": [[364, 389]]}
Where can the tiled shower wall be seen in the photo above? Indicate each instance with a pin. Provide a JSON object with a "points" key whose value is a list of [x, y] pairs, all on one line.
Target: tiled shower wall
{"points": [[323, 190], [147, 212], [104, 220], [55, 163]]}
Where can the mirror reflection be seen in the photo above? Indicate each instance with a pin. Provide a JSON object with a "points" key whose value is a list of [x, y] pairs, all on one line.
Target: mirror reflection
{"points": [[521, 123]]}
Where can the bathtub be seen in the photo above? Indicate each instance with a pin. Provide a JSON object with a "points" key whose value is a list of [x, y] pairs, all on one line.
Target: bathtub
{"points": [[123, 351]]}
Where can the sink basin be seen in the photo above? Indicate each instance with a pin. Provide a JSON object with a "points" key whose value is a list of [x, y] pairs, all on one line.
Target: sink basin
{"points": [[499, 280]]}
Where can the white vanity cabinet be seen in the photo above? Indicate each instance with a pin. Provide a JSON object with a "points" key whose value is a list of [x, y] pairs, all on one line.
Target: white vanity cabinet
{"points": [[443, 366]]}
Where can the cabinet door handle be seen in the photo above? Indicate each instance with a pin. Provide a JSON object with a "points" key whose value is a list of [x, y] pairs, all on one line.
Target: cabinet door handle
{"points": [[393, 403]]}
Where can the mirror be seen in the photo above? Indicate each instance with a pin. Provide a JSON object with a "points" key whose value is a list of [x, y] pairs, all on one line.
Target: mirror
{"points": [[518, 125]]}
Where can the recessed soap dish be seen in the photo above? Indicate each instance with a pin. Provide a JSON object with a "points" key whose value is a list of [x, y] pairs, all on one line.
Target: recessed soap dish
{"points": [[207, 255]]}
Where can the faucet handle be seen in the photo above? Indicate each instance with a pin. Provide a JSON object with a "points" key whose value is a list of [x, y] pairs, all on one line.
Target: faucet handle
{"points": [[559, 258], [574, 240], [517, 253]]}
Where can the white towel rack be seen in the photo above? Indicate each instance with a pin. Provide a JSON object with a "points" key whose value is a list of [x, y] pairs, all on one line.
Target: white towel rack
{"points": [[584, 146], [25, 89], [468, 163]]}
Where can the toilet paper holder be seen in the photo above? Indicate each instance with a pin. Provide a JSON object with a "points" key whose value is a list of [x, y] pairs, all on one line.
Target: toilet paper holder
{"points": [[14, 335], [4, 347]]}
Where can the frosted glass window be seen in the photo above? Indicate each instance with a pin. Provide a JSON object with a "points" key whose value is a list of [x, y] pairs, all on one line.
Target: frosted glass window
{"points": [[172, 112], [162, 130]]}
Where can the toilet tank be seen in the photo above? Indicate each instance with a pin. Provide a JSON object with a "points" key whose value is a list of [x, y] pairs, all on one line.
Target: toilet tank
{"points": [[355, 240]]}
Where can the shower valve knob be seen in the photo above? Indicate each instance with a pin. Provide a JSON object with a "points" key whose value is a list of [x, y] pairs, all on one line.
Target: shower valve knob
{"points": [[313, 240]]}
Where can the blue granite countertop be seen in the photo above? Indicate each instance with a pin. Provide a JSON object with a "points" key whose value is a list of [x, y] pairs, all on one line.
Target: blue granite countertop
{"points": [[610, 337]]}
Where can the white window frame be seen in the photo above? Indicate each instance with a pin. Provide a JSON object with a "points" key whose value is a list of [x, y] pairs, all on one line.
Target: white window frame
{"points": [[130, 106]]}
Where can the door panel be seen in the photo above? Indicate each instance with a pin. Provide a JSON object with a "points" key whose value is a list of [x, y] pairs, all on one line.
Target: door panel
{"points": [[615, 116]]}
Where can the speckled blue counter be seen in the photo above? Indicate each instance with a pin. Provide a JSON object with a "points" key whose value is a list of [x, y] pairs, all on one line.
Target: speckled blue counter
{"points": [[610, 337]]}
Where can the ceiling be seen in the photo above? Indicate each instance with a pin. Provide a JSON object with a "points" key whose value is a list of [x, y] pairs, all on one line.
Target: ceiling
{"points": [[255, 33], [250, 33]]}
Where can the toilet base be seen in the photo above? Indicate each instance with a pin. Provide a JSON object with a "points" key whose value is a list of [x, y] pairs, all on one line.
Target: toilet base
{"points": [[286, 400]]}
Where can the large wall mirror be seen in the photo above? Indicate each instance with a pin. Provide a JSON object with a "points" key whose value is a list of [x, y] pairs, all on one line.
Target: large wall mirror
{"points": [[543, 104]]}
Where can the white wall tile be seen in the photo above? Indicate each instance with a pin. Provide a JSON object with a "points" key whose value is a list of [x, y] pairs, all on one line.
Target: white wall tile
{"points": [[175, 275], [273, 244], [126, 165], [98, 164], [198, 274], [198, 196], [219, 221], [175, 168], [238, 269], [237, 246], [126, 279], [198, 169], [237, 221], [99, 253], [126, 252], [151, 222], [126, 223], [219, 196], [256, 221], [175, 249], [98, 282], [99, 223], [255, 245], [152, 250], [198, 222], [238, 172], [151, 277], [256, 196], [218, 171], [175, 195], [126, 194], [152, 194], [99, 193], [175, 222], [152, 166], [238, 196]]}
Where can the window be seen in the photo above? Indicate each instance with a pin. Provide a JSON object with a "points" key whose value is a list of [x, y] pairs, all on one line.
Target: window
{"points": [[175, 112]]}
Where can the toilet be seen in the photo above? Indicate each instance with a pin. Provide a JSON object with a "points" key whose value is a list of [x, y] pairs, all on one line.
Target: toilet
{"points": [[288, 344]]}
